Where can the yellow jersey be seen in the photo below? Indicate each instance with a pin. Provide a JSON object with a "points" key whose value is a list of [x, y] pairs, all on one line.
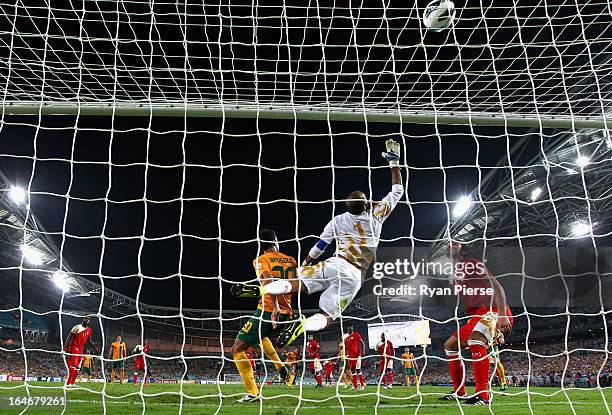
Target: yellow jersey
{"points": [[87, 361], [117, 349], [407, 358], [291, 358], [279, 266]]}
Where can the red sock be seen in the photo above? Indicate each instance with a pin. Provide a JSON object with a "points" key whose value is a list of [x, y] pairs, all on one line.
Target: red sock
{"points": [[362, 378], [390, 378], [72, 375], [318, 378], [457, 372], [135, 378], [354, 379], [480, 364]]}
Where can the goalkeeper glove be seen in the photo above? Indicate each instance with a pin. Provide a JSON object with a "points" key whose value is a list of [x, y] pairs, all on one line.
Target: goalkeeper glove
{"points": [[392, 154]]}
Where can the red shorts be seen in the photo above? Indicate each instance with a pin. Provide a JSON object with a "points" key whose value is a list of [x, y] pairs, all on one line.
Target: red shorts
{"points": [[352, 364], [328, 373], [463, 334], [139, 365], [75, 358]]}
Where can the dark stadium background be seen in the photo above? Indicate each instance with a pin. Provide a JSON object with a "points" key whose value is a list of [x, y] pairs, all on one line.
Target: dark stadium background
{"points": [[434, 164]]}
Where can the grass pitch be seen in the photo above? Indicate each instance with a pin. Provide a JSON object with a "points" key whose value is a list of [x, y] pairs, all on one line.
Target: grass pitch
{"points": [[279, 400]]}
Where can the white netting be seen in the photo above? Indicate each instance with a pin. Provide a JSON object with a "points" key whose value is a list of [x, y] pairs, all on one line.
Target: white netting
{"points": [[145, 222], [521, 58]]}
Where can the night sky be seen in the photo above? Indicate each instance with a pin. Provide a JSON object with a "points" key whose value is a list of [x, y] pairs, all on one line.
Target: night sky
{"points": [[225, 176]]}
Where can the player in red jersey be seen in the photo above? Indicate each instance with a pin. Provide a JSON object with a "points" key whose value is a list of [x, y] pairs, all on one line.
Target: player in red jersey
{"points": [[79, 336], [140, 363], [313, 349], [329, 369], [250, 354], [384, 349], [355, 348], [485, 301]]}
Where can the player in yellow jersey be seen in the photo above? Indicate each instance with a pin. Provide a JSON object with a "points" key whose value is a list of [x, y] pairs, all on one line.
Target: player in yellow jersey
{"points": [[494, 359], [271, 265], [291, 358], [86, 366], [341, 357], [117, 353], [410, 367]]}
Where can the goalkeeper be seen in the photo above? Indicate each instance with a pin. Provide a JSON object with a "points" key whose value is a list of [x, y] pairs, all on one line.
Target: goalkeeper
{"points": [[269, 265], [357, 234]]}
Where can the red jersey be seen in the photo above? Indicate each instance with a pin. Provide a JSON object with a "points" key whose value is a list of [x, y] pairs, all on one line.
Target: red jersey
{"points": [[329, 367], [473, 274], [313, 349], [80, 334], [141, 350], [385, 349], [353, 345]]}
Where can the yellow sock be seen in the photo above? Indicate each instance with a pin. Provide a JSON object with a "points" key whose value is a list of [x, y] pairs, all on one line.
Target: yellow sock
{"points": [[112, 377], [291, 379], [268, 349], [246, 373], [408, 381], [344, 378], [122, 375], [501, 373]]}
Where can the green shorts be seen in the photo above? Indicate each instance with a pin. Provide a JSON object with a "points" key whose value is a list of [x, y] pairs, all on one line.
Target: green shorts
{"points": [[86, 371], [251, 333], [410, 371], [118, 364]]}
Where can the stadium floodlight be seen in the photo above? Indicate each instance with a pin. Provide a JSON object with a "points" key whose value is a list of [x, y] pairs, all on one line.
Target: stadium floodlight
{"points": [[535, 193], [61, 281], [17, 194], [580, 229], [31, 255], [582, 161], [462, 206]]}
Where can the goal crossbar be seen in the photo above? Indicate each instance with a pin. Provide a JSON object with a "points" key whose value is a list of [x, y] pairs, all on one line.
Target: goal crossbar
{"points": [[303, 112]]}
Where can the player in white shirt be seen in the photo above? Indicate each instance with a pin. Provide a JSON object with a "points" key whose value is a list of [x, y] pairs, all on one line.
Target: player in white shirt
{"points": [[357, 234]]}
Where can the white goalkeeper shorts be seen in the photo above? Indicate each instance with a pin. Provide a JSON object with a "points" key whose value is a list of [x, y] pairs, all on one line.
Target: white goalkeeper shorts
{"points": [[337, 278]]}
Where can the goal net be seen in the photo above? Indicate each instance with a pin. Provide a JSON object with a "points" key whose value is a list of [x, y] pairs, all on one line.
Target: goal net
{"points": [[144, 145]]}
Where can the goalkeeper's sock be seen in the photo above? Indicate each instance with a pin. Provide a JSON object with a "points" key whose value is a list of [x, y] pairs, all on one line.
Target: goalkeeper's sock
{"points": [[246, 373], [501, 373], [480, 364], [315, 322], [269, 350], [457, 371], [277, 287], [121, 376]]}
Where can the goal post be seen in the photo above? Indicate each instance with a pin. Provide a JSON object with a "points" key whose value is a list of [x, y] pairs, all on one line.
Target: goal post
{"points": [[306, 113]]}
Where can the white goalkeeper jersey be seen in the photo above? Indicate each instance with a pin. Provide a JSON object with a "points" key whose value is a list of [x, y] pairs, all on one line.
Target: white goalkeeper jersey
{"points": [[357, 236]]}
